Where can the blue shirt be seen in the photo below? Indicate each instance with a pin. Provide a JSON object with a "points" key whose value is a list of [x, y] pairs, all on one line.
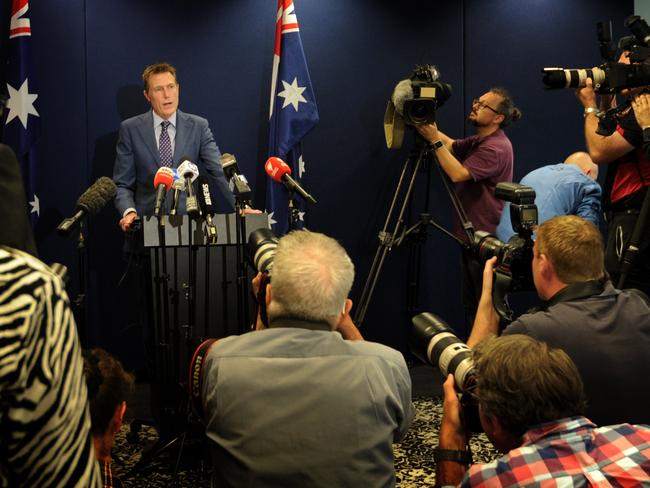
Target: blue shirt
{"points": [[560, 189]]}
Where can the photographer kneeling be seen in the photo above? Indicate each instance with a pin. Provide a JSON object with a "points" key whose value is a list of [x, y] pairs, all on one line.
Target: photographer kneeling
{"points": [[531, 401], [605, 331], [295, 404]]}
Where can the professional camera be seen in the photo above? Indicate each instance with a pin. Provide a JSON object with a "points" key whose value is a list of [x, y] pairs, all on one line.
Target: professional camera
{"points": [[433, 342], [610, 77], [513, 271], [262, 244], [414, 101], [427, 94]]}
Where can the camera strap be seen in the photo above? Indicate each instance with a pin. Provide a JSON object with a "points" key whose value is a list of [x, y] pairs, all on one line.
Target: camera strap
{"points": [[196, 374], [575, 291]]}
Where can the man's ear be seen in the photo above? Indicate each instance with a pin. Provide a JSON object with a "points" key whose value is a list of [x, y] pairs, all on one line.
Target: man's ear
{"points": [[347, 306], [546, 267], [146, 95]]}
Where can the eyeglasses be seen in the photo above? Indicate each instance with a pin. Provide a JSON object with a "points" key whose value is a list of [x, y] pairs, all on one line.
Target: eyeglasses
{"points": [[482, 104]]}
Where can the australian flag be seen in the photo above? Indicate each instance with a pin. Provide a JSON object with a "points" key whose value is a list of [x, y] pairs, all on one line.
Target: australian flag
{"points": [[293, 113], [22, 123]]}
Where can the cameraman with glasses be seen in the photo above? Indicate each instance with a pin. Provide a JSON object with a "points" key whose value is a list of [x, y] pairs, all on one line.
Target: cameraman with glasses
{"points": [[475, 165]]}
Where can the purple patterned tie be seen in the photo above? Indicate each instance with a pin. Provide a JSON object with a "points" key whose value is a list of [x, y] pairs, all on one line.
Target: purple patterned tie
{"points": [[165, 145]]}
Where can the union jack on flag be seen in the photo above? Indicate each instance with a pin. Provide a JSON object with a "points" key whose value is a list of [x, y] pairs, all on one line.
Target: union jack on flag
{"points": [[22, 123], [293, 112]]}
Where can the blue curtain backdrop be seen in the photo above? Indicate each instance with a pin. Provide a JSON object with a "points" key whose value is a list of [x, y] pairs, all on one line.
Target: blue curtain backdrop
{"points": [[89, 54]]}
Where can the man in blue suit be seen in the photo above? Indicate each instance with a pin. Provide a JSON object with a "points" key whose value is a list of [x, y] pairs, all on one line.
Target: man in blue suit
{"points": [[161, 137]]}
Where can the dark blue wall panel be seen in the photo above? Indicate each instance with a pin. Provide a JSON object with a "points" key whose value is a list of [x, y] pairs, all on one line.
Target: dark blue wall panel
{"points": [[90, 54]]}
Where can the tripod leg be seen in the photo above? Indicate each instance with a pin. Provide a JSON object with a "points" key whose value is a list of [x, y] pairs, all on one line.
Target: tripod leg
{"points": [[386, 239]]}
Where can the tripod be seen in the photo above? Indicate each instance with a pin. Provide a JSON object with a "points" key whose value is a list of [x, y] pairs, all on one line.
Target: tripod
{"points": [[422, 157]]}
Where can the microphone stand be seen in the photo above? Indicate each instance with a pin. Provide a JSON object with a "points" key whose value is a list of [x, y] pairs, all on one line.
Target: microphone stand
{"points": [[293, 212], [80, 300], [242, 193]]}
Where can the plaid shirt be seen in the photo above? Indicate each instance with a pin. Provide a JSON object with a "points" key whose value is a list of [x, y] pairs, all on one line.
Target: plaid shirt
{"points": [[571, 452]]}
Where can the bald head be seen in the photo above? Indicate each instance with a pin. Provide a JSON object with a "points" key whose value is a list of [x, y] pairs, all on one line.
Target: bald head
{"points": [[583, 161]]}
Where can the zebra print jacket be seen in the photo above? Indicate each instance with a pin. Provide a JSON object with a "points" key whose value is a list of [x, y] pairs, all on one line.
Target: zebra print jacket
{"points": [[45, 438]]}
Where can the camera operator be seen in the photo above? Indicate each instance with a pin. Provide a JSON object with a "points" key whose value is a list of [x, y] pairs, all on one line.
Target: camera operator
{"points": [[476, 164], [295, 404], [604, 330], [628, 177], [531, 404]]}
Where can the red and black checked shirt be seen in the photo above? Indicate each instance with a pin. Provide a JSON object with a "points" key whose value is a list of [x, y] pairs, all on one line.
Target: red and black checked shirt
{"points": [[571, 452]]}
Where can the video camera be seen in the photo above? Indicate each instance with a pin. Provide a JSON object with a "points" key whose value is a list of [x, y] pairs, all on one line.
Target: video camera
{"points": [[513, 271], [414, 101], [610, 77]]}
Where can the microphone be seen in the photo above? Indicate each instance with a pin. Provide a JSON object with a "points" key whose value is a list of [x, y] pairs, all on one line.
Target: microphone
{"points": [[178, 186], [205, 202], [281, 172], [89, 203], [188, 171], [162, 182], [237, 181]]}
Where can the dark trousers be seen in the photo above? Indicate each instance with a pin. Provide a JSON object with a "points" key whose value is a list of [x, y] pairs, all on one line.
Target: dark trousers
{"points": [[620, 225]]}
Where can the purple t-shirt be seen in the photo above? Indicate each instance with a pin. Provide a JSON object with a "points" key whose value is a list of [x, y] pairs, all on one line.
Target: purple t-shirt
{"points": [[489, 161]]}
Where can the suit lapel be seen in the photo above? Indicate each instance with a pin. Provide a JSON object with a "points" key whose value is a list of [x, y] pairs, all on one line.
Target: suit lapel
{"points": [[145, 128], [182, 131]]}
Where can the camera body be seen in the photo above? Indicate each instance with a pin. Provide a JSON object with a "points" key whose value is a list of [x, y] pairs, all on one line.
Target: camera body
{"points": [[428, 95], [610, 77], [513, 270]]}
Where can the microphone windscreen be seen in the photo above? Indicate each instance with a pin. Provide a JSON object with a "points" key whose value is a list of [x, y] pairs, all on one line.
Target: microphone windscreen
{"points": [[164, 176], [402, 92], [188, 169], [276, 168], [98, 195], [203, 195]]}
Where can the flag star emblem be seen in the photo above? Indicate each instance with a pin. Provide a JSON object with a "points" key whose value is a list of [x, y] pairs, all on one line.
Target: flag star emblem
{"points": [[301, 166], [21, 103], [271, 220], [36, 206], [301, 216], [292, 94]]}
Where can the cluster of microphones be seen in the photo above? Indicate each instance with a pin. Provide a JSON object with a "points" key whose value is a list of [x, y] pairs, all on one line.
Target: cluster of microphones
{"points": [[182, 179]]}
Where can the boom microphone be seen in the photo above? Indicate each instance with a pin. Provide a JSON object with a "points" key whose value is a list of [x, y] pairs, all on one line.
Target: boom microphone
{"points": [[205, 202], [162, 182], [189, 171], [89, 203], [281, 172]]}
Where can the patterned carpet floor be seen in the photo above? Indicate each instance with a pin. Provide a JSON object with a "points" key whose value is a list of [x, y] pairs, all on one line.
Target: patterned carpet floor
{"points": [[414, 465]]}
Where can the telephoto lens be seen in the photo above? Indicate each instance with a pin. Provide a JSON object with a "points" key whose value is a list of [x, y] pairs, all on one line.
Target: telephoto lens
{"points": [[262, 244]]}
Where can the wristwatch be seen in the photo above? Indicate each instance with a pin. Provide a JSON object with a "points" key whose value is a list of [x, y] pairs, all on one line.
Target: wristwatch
{"points": [[438, 144], [590, 110], [463, 457]]}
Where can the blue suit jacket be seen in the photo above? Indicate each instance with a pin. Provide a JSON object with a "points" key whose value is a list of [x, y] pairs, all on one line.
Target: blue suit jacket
{"points": [[138, 159]]}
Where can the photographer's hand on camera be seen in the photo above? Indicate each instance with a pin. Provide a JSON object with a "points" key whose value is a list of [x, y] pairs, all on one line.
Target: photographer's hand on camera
{"points": [[602, 149], [641, 107], [346, 327], [486, 322], [448, 162], [452, 436]]}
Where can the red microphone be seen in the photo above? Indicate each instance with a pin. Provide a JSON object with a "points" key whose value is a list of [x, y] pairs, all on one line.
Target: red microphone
{"points": [[163, 181], [281, 172]]}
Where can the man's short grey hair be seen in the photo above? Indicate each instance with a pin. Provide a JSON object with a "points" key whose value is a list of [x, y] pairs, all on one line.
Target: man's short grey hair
{"points": [[311, 278]]}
